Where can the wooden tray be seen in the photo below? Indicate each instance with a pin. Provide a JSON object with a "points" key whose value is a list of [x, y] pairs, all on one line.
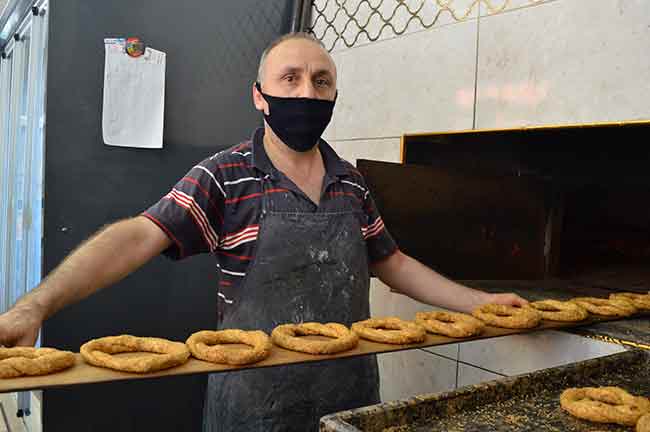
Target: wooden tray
{"points": [[83, 373]]}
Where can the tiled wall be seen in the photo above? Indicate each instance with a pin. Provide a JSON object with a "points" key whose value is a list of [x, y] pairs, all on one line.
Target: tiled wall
{"points": [[407, 66], [565, 61], [507, 63]]}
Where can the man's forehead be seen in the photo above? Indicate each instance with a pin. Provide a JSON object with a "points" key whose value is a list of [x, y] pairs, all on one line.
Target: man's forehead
{"points": [[295, 53]]}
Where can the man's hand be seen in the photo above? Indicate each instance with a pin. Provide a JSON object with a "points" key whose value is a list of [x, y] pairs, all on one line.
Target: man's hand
{"points": [[19, 326], [410, 277], [110, 255], [509, 299]]}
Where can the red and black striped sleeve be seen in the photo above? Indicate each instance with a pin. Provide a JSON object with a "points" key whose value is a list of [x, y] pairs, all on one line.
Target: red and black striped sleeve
{"points": [[192, 212]]}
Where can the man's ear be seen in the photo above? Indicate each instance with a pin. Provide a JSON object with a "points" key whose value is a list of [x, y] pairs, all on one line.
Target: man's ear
{"points": [[259, 101]]}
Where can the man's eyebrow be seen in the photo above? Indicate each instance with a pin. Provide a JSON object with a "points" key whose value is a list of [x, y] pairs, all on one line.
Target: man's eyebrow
{"points": [[289, 69], [294, 69], [323, 72]]}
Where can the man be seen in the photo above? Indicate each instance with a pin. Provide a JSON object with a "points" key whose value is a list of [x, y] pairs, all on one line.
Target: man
{"points": [[295, 233]]}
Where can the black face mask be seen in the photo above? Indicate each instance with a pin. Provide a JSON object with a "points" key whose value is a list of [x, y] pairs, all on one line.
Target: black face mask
{"points": [[298, 122]]}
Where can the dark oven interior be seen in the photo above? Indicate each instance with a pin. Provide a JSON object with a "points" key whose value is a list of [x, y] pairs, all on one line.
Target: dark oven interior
{"points": [[558, 202]]}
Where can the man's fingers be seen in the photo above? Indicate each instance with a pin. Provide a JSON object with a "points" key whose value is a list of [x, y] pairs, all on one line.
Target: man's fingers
{"points": [[520, 301], [510, 299], [28, 339], [7, 341], [16, 332], [25, 341]]}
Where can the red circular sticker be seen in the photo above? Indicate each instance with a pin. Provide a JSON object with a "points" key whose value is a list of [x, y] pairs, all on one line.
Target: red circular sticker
{"points": [[134, 47]]}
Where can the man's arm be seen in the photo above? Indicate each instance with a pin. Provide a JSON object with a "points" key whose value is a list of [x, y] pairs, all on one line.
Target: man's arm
{"points": [[104, 259], [410, 277]]}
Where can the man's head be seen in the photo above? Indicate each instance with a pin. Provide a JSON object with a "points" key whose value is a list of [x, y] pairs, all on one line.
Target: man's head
{"points": [[295, 65], [296, 90]]}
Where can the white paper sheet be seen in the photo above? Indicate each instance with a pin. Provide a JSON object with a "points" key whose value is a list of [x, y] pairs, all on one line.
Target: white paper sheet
{"points": [[134, 97]]}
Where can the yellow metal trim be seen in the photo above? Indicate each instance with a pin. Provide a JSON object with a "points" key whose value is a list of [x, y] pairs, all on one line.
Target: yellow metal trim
{"points": [[533, 128], [402, 149], [610, 339]]}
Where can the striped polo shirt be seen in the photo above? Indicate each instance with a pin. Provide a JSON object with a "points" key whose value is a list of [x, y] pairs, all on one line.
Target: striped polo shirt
{"points": [[216, 206]]}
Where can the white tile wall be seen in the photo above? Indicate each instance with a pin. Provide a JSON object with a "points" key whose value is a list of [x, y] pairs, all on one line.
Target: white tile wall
{"points": [[416, 83], [517, 354], [414, 372], [492, 7], [419, 372], [566, 61]]}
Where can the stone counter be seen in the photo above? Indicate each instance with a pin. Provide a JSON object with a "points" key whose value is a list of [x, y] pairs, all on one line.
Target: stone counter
{"points": [[528, 402]]}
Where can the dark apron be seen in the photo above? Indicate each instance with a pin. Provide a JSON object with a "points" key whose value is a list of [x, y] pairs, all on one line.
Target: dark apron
{"points": [[307, 267]]}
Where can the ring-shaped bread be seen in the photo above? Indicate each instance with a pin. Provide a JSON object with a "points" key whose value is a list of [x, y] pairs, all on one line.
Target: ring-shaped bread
{"points": [[165, 354], [211, 346]]}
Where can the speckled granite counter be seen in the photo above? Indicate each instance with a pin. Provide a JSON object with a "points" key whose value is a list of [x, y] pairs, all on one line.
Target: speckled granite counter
{"points": [[528, 402], [630, 332]]}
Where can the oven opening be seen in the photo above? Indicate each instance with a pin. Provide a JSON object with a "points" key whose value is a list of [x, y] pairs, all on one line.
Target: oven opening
{"points": [[567, 202]]}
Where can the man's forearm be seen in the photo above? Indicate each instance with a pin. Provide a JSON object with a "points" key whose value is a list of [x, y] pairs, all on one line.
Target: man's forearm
{"points": [[410, 277], [104, 259]]}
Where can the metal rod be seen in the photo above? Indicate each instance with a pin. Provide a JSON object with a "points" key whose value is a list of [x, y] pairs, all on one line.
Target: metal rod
{"points": [[296, 15], [305, 19]]}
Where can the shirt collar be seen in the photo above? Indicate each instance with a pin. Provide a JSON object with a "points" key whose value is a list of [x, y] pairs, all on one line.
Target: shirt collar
{"points": [[334, 165]]}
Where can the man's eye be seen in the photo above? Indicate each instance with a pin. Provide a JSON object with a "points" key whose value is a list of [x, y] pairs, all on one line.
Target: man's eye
{"points": [[290, 78], [322, 82]]}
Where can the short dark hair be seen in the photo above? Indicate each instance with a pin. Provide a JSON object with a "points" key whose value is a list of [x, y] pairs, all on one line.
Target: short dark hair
{"points": [[278, 41]]}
